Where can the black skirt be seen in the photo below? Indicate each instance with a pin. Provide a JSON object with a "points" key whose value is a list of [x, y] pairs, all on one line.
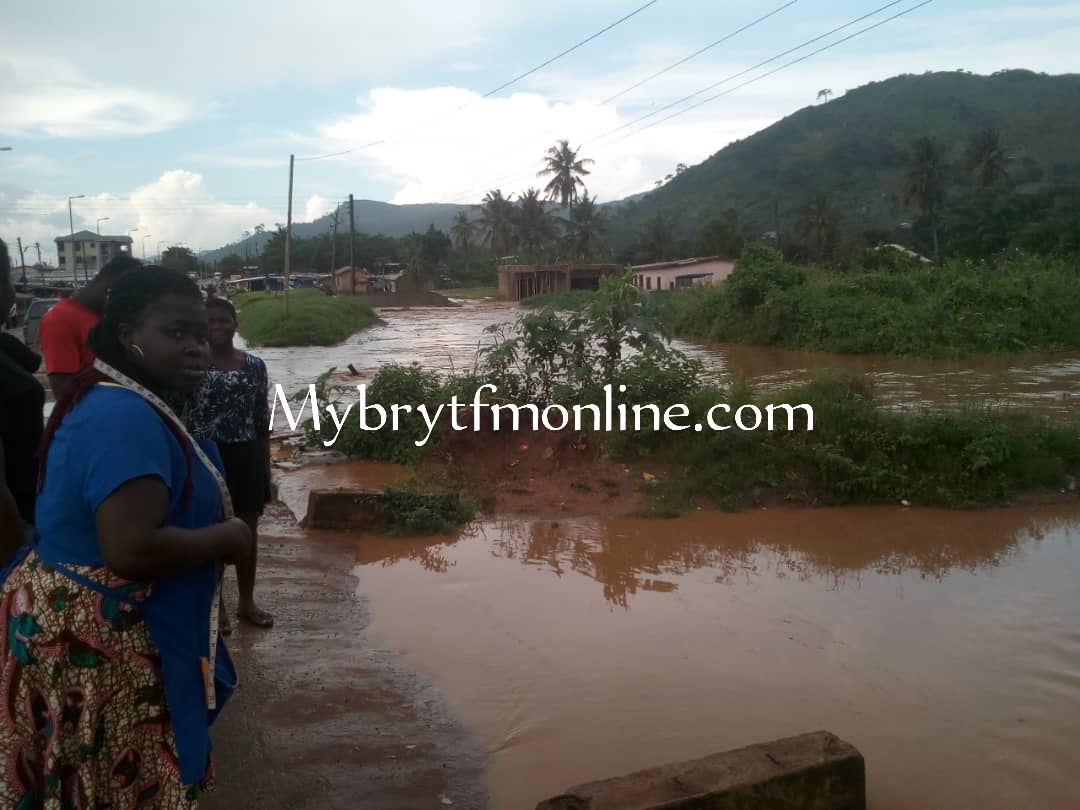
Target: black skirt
{"points": [[246, 476]]}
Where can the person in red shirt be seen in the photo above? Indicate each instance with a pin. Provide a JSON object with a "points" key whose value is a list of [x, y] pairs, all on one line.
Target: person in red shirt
{"points": [[64, 328]]}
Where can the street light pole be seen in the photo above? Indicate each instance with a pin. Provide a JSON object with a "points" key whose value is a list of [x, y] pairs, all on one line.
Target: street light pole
{"points": [[71, 224], [100, 220], [131, 247]]}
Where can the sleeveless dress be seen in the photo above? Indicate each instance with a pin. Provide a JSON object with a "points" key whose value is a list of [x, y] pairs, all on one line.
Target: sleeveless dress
{"points": [[103, 690]]}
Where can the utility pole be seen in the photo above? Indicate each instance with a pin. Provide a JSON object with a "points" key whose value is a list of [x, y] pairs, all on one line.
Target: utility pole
{"points": [[333, 245], [352, 245], [22, 263], [288, 237], [41, 267]]}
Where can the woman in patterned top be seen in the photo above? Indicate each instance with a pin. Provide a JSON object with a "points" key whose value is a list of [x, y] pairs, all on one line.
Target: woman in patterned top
{"points": [[231, 408]]}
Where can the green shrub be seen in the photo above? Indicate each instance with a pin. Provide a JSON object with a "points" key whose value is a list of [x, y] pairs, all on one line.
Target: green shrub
{"points": [[314, 319]]}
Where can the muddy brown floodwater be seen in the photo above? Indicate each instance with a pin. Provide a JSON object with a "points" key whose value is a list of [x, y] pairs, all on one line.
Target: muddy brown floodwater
{"points": [[945, 646], [442, 339]]}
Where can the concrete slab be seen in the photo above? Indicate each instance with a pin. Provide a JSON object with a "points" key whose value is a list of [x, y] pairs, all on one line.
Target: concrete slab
{"points": [[816, 771]]}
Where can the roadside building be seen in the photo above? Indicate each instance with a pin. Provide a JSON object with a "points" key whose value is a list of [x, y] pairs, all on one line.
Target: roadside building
{"points": [[87, 252], [675, 275], [518, 281], [343, 280]]}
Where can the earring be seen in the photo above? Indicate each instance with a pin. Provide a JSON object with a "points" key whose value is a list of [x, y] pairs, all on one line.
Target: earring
{"points": [[135, 348]]}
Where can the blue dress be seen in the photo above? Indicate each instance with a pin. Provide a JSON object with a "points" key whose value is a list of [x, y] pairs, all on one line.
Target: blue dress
{"points": [[124, 659]]}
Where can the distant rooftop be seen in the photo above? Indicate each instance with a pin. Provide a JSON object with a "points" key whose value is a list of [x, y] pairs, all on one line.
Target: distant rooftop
{"points": [[90, 236], [681, 263]]}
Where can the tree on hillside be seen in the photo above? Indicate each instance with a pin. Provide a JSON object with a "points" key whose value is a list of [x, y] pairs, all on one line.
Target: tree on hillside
{"points": [[497, 215], [824, 94], [656, 241], [986, 160], [587, 229], [924, 185], [230, 265], [534, 225], [566, 170], [723, 236], [464, 232], [817, 225], [180, 258]]}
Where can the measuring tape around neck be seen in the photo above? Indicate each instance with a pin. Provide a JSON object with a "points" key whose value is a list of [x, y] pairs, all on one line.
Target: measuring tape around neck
{"points": [[226, 505]]}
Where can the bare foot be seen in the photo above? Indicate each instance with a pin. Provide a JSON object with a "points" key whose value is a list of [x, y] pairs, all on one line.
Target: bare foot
{"points": [[255, 616]]}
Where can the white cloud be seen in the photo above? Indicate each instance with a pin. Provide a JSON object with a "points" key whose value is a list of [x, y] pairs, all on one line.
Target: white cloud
{"points": [[177, 207], [434, 155], [316, 207], [51, 97]]}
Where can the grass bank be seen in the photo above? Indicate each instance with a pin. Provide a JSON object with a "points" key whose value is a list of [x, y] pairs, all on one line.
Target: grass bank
{"points": [[1015, 304], [314, 319]]}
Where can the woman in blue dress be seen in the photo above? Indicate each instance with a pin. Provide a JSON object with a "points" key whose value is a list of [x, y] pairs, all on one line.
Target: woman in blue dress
{"points": [[232, 409], [113, 669]]}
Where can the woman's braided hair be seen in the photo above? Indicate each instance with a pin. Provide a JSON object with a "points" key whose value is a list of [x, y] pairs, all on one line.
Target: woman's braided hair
{"points": [[130, 296]]}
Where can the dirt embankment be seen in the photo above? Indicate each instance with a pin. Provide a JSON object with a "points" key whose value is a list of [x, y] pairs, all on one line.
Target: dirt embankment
{"points": [[545, 472]]}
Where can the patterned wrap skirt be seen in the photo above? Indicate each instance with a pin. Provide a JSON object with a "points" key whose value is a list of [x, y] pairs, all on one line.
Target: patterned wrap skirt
{"points": [[83, 718]]}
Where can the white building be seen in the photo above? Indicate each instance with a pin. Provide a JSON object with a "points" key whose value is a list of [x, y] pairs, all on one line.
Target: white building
{"points": [[682, 273], [89, 252]]}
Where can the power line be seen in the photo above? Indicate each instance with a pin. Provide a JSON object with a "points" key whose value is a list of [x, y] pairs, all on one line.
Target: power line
{"points": [[771, 72], [501, 87], [667, 69], [714, 85], [734, 76], [696, 53]]}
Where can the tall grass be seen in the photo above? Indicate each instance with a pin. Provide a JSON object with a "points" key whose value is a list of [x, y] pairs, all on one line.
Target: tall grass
{"points": [[1018, 303], [314, 319]]}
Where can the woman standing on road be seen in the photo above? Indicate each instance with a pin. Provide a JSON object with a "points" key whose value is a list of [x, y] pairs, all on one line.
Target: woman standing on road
{"points": [[113, 669], [231, 408]]}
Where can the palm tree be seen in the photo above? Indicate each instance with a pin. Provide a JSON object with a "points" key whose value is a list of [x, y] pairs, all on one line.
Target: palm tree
{"points": [[566, 170], [497, 222], [587, 229], [464, 231], [824, 94], [924, 185], [986, 160], [817, 223], [534, 225]]}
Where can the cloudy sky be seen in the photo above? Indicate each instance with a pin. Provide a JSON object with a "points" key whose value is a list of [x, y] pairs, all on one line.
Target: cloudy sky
{"points": [[178, 119]]}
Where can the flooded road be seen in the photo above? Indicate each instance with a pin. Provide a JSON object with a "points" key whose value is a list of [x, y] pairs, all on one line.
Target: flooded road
{"points": [[444, 339], [945, 646]]}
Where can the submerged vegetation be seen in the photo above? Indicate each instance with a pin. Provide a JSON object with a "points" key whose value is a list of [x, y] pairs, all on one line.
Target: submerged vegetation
{"points": [[857, 452]]}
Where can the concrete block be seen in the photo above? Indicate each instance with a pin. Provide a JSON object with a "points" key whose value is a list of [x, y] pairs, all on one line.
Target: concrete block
{"points": [[816, 771], [343, 509]]}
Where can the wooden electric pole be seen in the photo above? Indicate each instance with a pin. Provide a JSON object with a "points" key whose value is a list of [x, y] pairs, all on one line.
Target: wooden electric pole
{"points": [[333, 245], [22, 264], [288, 237], [352, 245]]}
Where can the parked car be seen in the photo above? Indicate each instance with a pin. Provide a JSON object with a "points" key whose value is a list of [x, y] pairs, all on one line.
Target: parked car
{"points": [[34, 313]]}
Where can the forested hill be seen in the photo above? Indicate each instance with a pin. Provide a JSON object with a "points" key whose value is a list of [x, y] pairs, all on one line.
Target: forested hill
{"points": [[855, 148], [370, 216]]}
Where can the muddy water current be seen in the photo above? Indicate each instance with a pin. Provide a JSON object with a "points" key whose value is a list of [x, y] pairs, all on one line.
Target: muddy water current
{"points": [[944, 645], [444, 339]]}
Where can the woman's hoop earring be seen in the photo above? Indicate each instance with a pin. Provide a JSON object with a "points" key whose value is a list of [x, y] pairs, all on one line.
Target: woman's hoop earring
{"points": [[136, 349]]}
